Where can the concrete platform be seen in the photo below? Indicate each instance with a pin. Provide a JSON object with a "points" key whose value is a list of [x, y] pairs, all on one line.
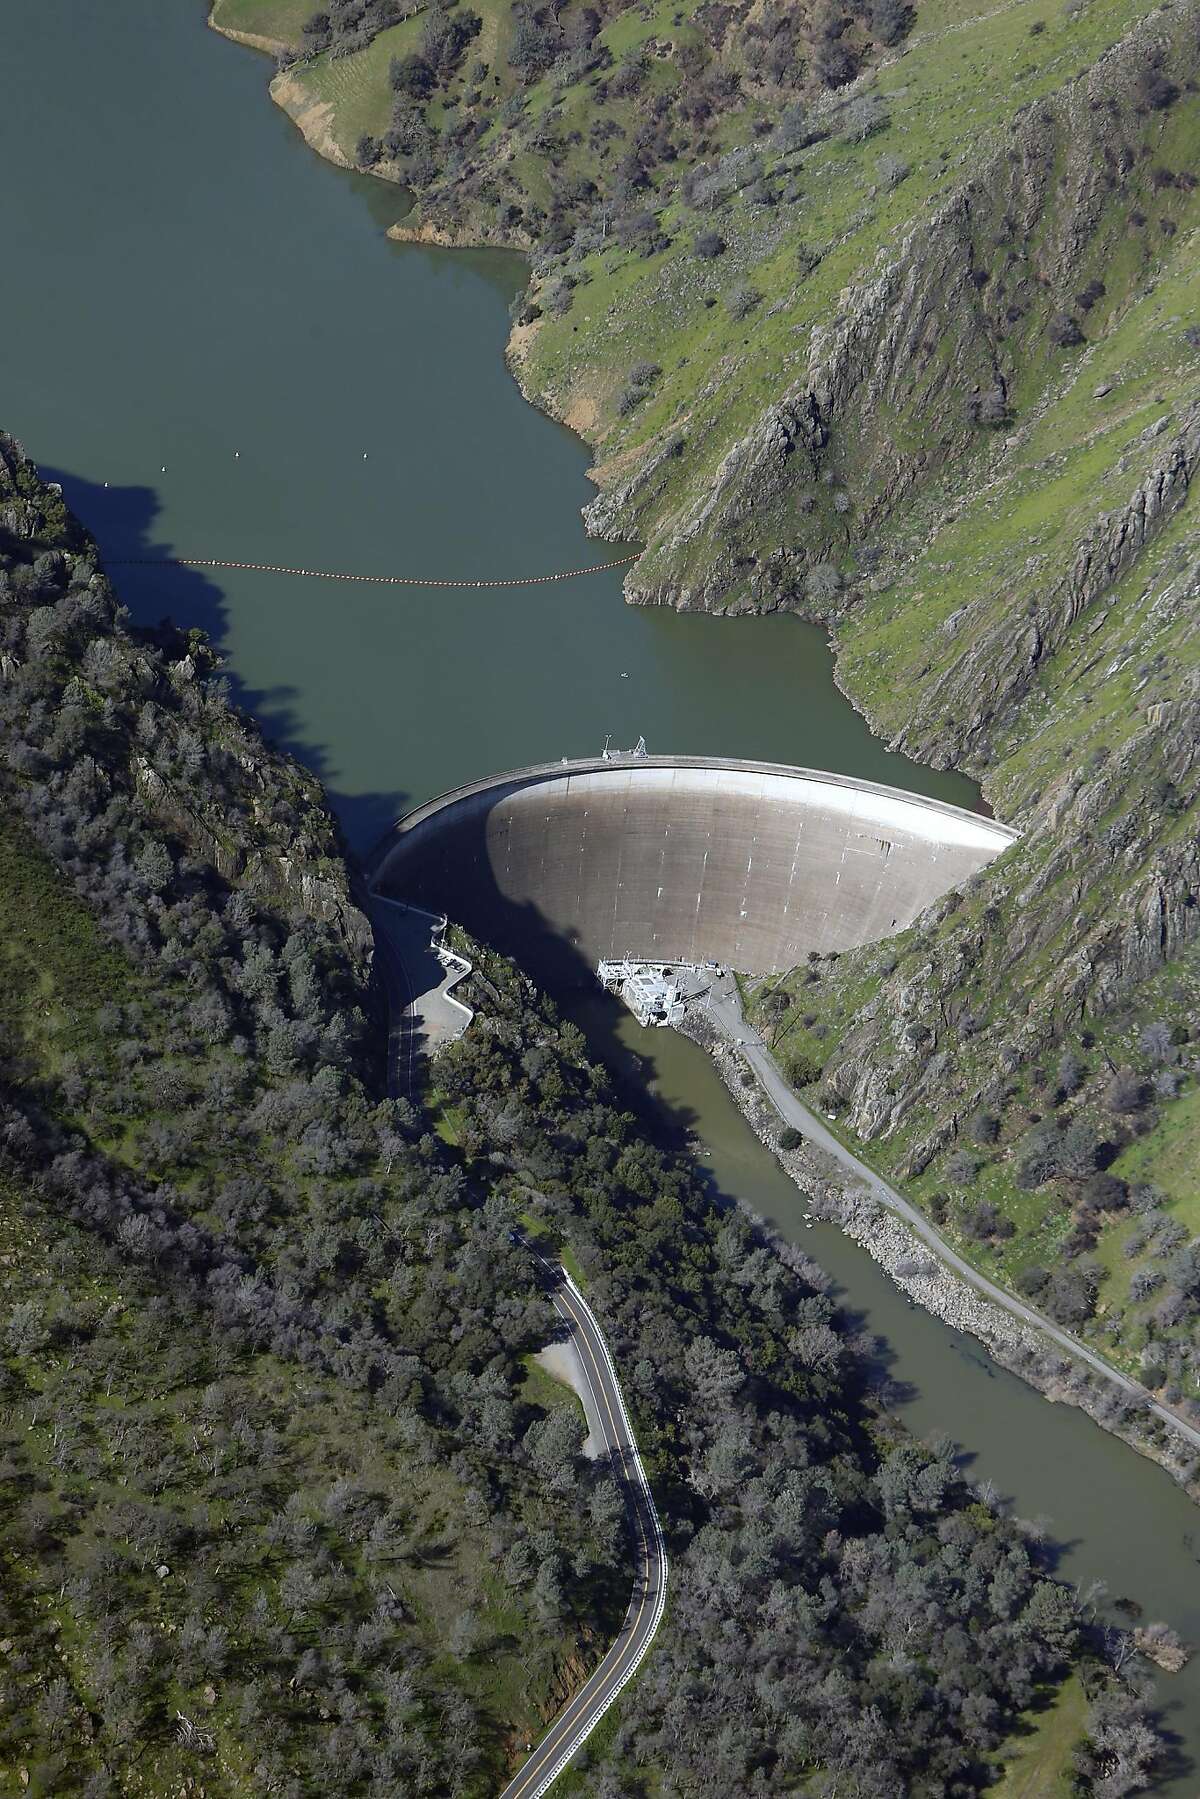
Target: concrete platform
{"points": [[424, 1013]]}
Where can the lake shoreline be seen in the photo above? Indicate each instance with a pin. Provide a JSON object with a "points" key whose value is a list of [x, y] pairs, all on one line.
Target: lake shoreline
{"points": [[312, 122], [952, 1300]]}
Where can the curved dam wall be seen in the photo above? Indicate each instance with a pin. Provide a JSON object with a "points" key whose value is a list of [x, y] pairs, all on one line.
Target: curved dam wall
{"points": [[681, 858]]}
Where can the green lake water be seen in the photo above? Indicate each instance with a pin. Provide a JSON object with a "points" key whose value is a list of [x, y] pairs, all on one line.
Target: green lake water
{"points": [[208, 339]]}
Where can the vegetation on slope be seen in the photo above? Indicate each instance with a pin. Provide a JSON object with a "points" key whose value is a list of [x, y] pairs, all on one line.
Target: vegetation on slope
{"points": [[282, 1508], [251, 1310], [524, 125], [820, 1629], [912, 346]]}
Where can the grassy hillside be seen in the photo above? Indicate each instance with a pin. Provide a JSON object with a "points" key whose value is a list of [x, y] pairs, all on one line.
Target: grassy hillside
{"points": [[518, 125], [281, 1506], [911, 344]]}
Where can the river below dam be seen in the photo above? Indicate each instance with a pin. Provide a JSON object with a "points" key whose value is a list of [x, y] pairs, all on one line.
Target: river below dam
{"points": [[209, 341]]}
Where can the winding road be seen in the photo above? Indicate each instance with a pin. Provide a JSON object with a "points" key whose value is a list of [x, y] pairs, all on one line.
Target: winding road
{"points": [[580, 1716], [575, 1723], [725, 1007]]}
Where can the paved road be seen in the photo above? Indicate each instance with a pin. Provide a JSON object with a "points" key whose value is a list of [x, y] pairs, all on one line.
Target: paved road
{"points": [[726, 1009], [581, 1715]]}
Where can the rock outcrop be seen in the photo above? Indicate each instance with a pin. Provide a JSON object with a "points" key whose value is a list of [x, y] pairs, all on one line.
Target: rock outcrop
{"points": [[967, 303]]}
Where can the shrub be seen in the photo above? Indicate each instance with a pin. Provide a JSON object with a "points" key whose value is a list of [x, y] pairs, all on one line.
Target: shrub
{"points": [[532, 50], [1125, 1092], [961, 1168], [709, 245], [1038, 1160], [985, 1223], [1070, 1297], [800, 1069], [863, 117], [823, 582], [1079, 1150], [1155, 92], [791, 133], [1155, 1042], [790, 1138], [889, 21], [413, 76], [1105, 1192], [1063, 331], [1143, 1283], [742, 302], [892, 170], [1070, 1073]]}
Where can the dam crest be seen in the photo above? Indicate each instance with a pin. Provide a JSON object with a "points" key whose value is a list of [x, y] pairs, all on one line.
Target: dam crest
{"points": [[692, 858]]}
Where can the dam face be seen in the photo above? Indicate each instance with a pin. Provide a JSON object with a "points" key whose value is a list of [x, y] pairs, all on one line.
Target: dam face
{"points": [[681, 858]]}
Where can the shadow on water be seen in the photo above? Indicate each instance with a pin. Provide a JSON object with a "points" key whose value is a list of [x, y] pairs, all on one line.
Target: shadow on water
{"points": [[122, 519]]}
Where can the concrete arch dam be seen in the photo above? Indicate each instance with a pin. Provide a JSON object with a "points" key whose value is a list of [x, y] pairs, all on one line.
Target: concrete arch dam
{"points": [[680, 858]]}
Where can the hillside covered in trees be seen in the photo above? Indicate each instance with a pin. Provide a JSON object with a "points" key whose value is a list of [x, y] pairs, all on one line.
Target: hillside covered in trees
{"points": [[285, 1506], [888, 317]]}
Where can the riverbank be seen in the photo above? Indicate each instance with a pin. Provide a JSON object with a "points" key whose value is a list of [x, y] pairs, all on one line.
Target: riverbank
{"points": [[252, 40], [583, 414], [836, 1198], [582, 409]]}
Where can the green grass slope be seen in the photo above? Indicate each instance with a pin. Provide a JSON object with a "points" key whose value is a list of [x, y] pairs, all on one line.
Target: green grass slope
{"points": [[912, 347]]}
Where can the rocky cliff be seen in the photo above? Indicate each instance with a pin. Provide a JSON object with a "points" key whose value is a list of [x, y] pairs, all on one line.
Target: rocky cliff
{"points": [[956, 322], [907, 342], [959, 421]]}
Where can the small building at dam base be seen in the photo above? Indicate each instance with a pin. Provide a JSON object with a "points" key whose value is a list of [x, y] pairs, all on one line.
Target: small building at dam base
{"points": [[692, 859]]}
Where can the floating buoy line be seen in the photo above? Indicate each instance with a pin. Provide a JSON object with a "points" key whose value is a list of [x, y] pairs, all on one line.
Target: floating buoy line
{"points": [[325, 574]]}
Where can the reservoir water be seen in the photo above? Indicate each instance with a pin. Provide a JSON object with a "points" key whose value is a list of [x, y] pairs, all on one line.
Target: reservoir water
{"points": [[207, 338], [188, 281]]}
